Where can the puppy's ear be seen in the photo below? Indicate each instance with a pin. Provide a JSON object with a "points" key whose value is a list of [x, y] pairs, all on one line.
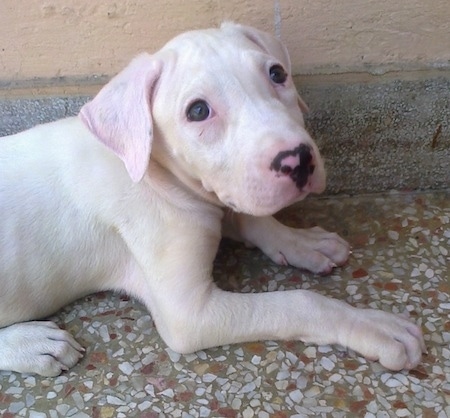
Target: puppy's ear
{"points": [[264, 40], [119, 116]]}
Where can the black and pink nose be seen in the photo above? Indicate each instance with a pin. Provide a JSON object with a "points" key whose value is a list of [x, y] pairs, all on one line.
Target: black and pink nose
{"points": [[298, 164]]}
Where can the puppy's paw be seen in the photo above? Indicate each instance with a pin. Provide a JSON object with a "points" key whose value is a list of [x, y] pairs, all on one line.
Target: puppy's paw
{"points": [[38, 347], [313, 249], [393, 340]]}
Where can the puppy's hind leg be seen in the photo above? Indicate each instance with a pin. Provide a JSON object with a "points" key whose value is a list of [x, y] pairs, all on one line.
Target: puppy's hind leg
{"points": [[38, 347]]}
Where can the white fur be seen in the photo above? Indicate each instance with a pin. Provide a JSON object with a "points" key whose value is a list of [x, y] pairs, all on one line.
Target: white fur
{"points": [[131, 196]]}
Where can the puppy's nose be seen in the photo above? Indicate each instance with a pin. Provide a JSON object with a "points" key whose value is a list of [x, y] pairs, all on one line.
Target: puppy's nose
{"points": [[297, 163]]}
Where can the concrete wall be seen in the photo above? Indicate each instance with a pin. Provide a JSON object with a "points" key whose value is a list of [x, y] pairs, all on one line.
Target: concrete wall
{"points": [[82, 38], [376, 73]]}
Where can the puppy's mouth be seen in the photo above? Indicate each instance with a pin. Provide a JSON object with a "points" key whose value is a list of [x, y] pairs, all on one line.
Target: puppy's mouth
{"points": [[233, 207], [263, 206], [261, 199]]}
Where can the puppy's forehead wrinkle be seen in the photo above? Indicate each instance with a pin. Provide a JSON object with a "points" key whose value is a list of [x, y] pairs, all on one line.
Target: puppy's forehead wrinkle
{"points": [[208, 47]]}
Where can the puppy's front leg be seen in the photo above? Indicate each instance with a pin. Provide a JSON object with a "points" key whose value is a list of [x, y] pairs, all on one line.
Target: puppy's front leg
{"points": [[192, 313], [313, 249], [393, 340]]}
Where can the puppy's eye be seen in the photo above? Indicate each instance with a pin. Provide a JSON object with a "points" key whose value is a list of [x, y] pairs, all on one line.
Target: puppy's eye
{"points": [[277, 74], [198, 111]]}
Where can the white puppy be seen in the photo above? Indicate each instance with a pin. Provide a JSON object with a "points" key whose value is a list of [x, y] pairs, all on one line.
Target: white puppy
{"points": [[202, 139]]}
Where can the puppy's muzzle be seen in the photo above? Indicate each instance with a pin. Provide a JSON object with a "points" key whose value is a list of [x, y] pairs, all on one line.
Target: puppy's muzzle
{"points": [[298, 164]]}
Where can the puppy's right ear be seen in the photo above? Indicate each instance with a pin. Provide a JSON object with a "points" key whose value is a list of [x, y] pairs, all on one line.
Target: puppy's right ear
{"points": [[120, 115]]}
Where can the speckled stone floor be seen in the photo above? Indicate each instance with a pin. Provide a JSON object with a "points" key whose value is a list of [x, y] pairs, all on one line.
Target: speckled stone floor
{"points": [[400, 261]]}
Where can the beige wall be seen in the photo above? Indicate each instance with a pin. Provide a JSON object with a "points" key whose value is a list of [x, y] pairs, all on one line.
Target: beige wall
{"points": [[81, 38]]}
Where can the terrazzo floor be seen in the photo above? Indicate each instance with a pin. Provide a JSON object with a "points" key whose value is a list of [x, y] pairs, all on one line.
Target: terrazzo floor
{"points": [[400, 261]]}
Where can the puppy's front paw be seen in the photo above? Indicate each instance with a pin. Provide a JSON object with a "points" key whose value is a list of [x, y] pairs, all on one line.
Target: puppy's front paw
{"points": [[313, 249], [391, 339], [38, 347]]}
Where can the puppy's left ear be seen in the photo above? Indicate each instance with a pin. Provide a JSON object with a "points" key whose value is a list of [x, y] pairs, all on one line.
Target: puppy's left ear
{"points": [[120, 115]]}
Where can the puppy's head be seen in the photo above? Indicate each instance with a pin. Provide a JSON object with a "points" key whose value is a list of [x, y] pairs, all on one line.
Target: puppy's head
{"points": [[222, 113]]}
